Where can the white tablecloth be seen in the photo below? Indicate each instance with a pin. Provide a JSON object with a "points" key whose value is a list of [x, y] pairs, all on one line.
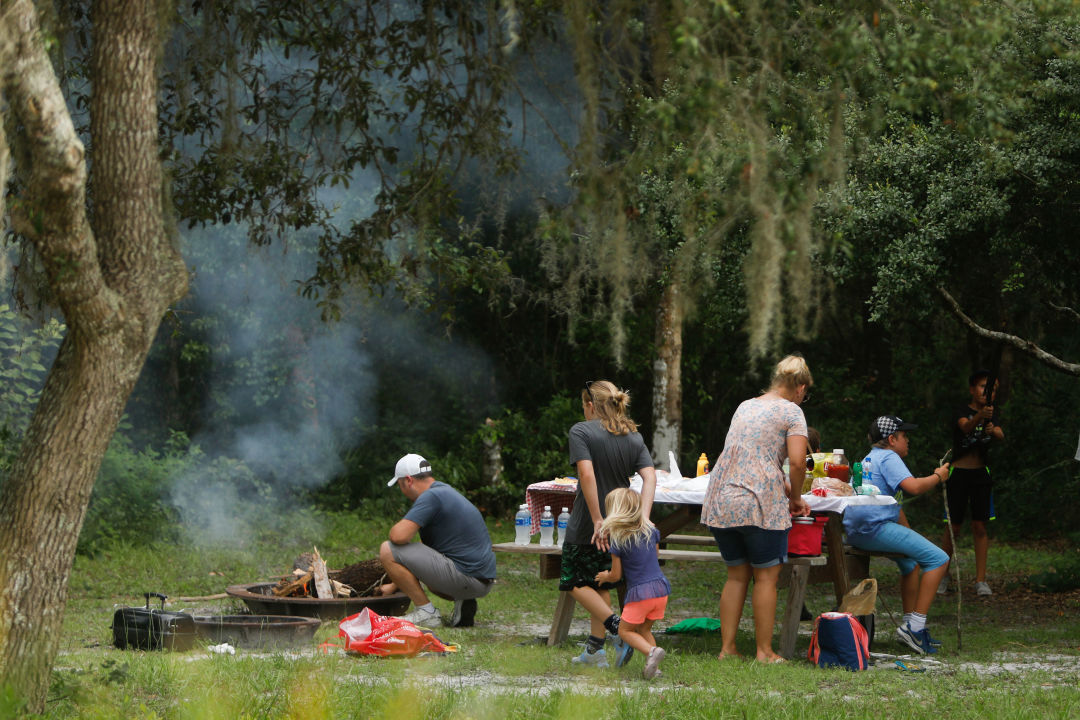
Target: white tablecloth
{"points": [[691, 491], [678, 491]]}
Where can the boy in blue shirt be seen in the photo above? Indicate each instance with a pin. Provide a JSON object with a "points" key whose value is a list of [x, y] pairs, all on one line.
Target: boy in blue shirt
{"points": [[881, 528]]}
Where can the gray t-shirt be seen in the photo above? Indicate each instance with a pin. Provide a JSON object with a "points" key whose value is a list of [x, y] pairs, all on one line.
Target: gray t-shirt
{"points": [[452, 525], [614, 457]]}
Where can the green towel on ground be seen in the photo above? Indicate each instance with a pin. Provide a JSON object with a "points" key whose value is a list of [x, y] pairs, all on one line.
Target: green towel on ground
{"points": [[695, 626]]}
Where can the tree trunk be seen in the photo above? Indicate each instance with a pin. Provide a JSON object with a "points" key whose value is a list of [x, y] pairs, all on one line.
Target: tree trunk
{"points": [[491, 463], [667, 377], [113, 282]]}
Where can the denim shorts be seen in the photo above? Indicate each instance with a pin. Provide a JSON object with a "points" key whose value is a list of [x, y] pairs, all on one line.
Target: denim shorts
{"points": [[760, 547], [892, 537]]}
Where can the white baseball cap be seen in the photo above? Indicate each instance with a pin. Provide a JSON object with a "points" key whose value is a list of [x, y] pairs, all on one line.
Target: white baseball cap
{"points": [[411, 464]]}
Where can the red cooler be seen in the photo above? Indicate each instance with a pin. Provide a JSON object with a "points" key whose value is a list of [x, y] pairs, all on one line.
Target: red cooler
{"points": [[804, 538]]}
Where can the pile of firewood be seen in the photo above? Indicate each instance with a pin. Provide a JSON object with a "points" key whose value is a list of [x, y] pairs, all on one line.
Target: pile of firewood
{"points": [[310, 578]]}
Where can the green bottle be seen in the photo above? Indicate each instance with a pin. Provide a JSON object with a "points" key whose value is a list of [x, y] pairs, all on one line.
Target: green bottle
{"points": [[856, 475]]}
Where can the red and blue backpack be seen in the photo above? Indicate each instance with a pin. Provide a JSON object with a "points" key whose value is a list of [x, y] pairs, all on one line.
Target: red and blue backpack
{"points": [[839, 640]]}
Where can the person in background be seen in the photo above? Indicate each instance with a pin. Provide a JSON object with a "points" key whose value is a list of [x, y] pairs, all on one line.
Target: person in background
{"points": [[453, 559], [635, 551], [881, 528], [748, 506], [975, 426], [606, 449]]}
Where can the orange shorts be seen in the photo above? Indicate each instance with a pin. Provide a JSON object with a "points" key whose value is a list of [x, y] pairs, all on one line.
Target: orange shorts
{"points": [[638, 612]]}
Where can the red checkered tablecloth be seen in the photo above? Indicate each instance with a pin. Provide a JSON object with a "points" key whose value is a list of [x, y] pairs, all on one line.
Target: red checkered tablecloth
{"points": [[556, 495]]}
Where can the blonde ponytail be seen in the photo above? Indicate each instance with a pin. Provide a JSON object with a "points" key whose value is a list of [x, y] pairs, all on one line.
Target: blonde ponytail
{"points": [[611, 406]]}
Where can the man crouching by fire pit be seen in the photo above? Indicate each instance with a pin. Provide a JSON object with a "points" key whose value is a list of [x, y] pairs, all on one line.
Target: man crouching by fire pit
{"points": [[453, 558]]}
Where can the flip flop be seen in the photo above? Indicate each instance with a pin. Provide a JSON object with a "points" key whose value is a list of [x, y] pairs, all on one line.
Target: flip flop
{"points": [[901, 665]]}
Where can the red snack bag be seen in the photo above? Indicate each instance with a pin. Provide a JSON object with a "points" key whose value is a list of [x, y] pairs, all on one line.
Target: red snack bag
{"points": [[373, 634]]}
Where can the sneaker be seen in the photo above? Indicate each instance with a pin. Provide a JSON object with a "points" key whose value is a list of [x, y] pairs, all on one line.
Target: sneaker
{"points": [[596, 659], [623, 651], [943, 586], [424, 618], [982, 588], [934, 643], [652, 665], [919, 641], [464, 613]]}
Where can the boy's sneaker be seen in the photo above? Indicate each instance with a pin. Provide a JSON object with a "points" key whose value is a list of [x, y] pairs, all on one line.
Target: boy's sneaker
{"points": [[652, 665], [934, 643], [943, 586], [596, 659], [424, 618], [982, 588], [919, 641], [464, 613], [623, 651]]}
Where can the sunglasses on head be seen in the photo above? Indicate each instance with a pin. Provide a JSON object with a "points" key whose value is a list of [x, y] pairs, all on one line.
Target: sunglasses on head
{"points": [[588, 389]]}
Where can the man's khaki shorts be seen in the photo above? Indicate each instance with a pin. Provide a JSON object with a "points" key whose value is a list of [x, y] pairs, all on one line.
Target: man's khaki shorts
{"points": [[438, 572]]}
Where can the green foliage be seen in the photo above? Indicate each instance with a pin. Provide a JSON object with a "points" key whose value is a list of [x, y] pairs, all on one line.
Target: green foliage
{"points": [[1063, 578], [345, 120], [23, 351], [533, 447], [130, 501], [149, 496]]}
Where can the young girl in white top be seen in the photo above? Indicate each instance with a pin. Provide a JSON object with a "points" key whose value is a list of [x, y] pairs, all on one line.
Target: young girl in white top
{"points": [[635, 554]]}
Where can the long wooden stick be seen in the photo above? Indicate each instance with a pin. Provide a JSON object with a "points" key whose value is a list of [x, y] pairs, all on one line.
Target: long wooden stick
{"points": [[216, 596], [955, 557]]}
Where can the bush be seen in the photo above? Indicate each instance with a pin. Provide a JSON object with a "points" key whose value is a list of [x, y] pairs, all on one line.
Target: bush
{"points": [[130, 500], [145, 496], [533, 447]]}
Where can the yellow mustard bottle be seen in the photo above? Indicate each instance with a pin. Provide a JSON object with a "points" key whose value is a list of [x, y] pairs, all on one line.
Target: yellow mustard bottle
{"points": [[702, 465]]}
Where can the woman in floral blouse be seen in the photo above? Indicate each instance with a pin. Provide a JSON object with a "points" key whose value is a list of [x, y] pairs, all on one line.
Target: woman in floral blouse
{"points": [[748, 506]]}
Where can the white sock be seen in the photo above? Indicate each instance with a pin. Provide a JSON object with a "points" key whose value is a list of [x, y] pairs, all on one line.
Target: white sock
{"points": [[429, 608], [906, 620], [917, 622]]}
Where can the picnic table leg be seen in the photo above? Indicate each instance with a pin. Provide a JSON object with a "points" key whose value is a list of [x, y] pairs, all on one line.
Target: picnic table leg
{"points": [[680, 518], [796, 596], [834, 542], [564, 613]]}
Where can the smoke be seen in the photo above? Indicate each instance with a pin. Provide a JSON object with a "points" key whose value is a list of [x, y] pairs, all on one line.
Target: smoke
{"points": [[290, 395]]}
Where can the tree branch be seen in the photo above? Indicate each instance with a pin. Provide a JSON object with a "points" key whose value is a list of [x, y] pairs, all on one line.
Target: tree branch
{"points": [[1019, 343], [1064, 310], [52, 210]]}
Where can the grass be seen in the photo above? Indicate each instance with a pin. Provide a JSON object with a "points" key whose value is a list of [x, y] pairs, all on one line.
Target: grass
{"points": [[501, 670]]}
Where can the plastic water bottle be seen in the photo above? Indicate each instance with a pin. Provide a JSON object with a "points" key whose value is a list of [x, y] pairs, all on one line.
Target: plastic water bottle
{"points": [[561, 523], [523, 526], [547, 527], [867, 471]]}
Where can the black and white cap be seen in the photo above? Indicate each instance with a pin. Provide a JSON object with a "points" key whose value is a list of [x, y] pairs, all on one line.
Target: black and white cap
{"points": [[886, 425], [411, 464]]}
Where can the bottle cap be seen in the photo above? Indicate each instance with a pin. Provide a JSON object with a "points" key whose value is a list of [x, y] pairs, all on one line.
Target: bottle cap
{"points": [[566, 509], [838, 451], [547, 507]]}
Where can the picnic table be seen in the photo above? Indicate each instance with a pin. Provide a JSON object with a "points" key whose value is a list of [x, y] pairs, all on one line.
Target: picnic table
{"points": [[687, 495]]}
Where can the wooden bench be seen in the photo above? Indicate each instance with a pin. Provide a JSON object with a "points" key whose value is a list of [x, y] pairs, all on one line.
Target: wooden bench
{"points": [[689, 540], [551, 556]]}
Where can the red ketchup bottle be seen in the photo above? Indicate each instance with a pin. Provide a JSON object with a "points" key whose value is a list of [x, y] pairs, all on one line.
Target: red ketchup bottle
{"points": [[837, 466]]}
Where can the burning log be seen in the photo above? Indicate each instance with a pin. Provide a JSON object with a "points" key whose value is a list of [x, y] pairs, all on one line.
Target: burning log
{"points": [[362, 579], [322, 582], [293, 588]]}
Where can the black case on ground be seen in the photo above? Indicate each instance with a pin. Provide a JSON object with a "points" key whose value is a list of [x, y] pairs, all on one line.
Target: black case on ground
{"points": [[147, 628]]}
